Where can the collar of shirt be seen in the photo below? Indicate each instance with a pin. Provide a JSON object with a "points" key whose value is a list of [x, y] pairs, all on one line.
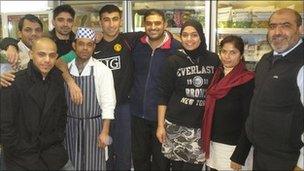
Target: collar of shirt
{"points": [[22, 47], [54, 36], [86, 71], [285, 53]]}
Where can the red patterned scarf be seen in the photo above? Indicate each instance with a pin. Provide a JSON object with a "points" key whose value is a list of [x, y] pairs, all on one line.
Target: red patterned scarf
{"points": [[218, 89]]}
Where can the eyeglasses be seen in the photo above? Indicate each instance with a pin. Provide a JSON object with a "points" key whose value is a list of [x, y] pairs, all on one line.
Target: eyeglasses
{"points": [[273, 26], [155, 23]]}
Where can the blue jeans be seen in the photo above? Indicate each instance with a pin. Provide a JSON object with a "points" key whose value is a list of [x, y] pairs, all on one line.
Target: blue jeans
{"points": [[120, 150]]}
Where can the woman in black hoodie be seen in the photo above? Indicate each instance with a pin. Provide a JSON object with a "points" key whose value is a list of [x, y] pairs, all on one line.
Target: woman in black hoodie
{"points": [[183, 83]]}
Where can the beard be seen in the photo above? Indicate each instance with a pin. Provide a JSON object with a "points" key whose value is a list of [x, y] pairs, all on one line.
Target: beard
{"points": [[155, 37], [64, 30], [279, 43]]}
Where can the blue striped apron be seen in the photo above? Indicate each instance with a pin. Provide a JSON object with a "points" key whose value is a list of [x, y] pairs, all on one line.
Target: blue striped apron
{"points": [[84, 124]]}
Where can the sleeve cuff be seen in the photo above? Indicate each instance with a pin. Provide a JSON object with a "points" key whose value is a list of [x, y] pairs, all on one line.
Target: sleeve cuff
{"points": [[107, 115], [300, 163], [163, 101], [68, 57]]}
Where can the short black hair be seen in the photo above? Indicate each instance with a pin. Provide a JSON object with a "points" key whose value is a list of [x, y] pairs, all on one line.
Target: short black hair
{"points": [[235, 40], [31, 18], [63, 8], [154, 12], [109, 9]]}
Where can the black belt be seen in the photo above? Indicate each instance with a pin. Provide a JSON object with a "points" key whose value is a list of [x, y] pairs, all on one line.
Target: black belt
{"points": [[93, 117]]}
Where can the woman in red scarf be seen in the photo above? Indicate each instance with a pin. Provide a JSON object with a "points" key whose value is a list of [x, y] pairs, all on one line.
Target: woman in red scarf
{"points": [[226, 110]]}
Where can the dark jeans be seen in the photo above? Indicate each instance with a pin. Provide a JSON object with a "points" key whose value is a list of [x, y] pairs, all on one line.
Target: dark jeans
{"points": [[179, 165], [146, 149], [120, 149]]}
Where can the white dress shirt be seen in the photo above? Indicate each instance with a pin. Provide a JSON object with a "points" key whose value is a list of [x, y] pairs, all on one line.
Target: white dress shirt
{"points": [[24, 56]]}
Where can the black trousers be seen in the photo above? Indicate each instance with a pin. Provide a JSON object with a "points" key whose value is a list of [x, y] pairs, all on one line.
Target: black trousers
{"points": [[264, 161], [179, 165], [146, 149]]}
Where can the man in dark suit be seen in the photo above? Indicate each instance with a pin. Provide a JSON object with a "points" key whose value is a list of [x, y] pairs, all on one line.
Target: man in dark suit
{"points": [[33, 114]]}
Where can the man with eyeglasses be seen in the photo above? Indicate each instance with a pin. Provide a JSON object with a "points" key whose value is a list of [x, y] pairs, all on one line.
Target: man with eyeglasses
{"points": [[30, 28], [62, 34], [276, 119], [148, 56]]}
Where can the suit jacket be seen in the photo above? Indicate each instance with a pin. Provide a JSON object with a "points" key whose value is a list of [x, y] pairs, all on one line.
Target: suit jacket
{"points": [[33, 120]]}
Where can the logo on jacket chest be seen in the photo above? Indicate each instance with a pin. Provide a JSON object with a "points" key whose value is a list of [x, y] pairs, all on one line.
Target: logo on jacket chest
{"points": [[113, 62], [192, 70]]}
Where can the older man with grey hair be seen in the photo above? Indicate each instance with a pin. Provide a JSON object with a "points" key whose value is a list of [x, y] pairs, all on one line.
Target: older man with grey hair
{"points": [[276, 119]]}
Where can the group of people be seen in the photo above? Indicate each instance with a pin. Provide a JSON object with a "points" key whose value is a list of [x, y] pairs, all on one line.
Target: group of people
{"points": [[167, 104]]}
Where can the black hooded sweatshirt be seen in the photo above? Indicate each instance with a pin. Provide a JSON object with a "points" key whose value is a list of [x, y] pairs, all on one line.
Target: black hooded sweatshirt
{"points": [[184, 82]]}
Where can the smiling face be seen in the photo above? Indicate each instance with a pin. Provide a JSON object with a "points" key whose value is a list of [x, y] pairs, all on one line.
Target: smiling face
{"points": [[63, 23], [283, 32], [44, 55], [230, 56], [30, 32], [110, 24], [155, 27], [190, 38]]}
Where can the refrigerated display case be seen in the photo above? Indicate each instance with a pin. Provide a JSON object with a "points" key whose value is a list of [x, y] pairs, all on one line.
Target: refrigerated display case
{"points": [[176, 13], [249, 20], [1, 37], [10, 22]]}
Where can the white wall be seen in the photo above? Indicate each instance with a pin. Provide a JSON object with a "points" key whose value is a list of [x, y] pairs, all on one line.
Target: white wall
{"points": [[23, 6]]}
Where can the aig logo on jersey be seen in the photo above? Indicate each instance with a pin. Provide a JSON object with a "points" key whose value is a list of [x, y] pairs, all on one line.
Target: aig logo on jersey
{"points": [[113, 62]]}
